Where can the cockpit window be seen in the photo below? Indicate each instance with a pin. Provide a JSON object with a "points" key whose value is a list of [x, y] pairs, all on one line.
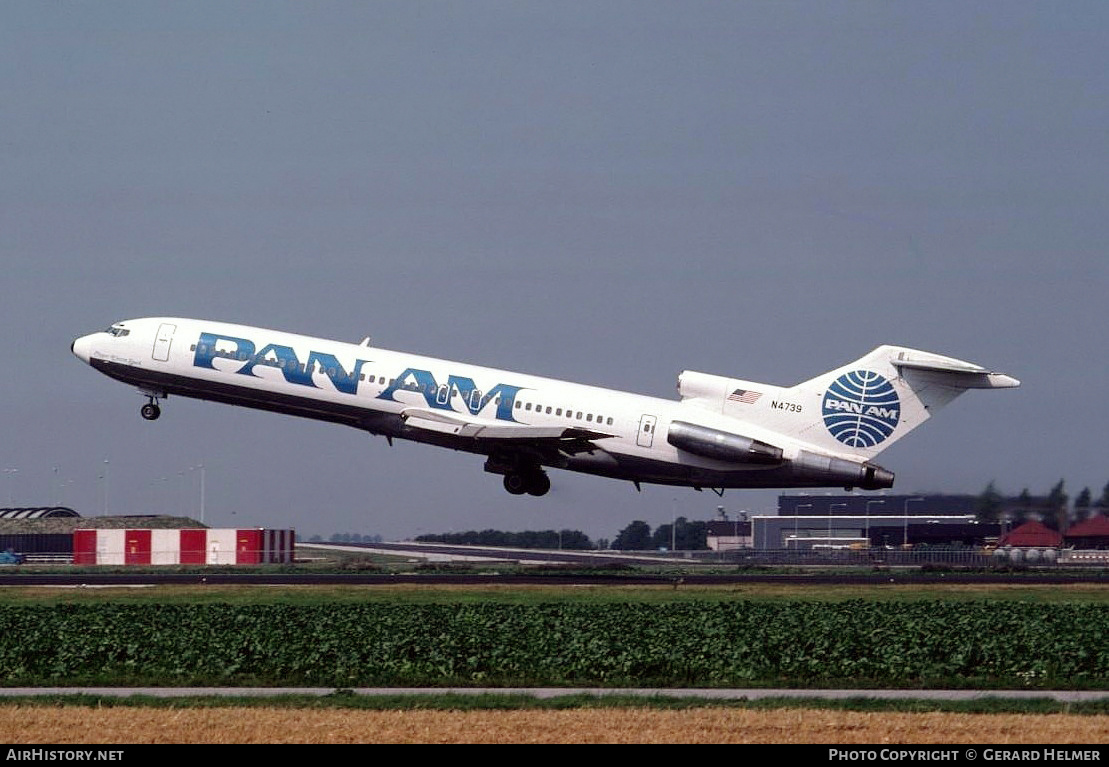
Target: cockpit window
{"points": [[117, 331]]}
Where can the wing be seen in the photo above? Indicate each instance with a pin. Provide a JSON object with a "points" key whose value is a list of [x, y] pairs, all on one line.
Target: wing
{"points": [[568, 440]]}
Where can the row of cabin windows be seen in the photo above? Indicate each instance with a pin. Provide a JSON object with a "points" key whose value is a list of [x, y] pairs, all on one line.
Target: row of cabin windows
{"points": [[570, 413], [442, 392]]}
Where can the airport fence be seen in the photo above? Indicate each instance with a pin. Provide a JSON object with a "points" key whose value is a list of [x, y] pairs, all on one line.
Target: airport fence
{"points": [[923, 556]]}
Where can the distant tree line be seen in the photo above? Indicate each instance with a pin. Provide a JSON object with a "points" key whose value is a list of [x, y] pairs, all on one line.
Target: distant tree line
{"points": [[682, 535], [1054, 510]]}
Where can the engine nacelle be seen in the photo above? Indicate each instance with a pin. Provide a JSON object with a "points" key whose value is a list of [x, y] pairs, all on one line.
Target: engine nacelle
{"points": [[721, 445], [827, 471], [703, 386]]}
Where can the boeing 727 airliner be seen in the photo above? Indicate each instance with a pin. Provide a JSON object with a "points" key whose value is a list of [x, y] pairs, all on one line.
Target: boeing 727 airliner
{"points": [[722, 432]]}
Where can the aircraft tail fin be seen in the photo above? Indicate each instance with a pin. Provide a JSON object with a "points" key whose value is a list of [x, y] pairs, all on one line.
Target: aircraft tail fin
{"points": [[865, 406]]}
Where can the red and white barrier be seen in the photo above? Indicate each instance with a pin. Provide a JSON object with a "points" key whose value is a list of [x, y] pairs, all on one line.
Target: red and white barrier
{"points": [[252, 546]]}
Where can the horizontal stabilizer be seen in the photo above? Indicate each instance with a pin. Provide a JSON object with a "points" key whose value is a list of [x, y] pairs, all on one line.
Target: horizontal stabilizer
{"points": [[953, 372]]}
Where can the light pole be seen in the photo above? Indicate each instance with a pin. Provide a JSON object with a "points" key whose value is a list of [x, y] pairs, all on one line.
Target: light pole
{"points": [[796, 518], [905, 542], [868, 520], [11, 479], [844, 505], [673, 524], [201, 467], [104, 477]]}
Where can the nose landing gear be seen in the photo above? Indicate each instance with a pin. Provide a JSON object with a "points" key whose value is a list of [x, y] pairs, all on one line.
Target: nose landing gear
{"points": [[150, 411]]}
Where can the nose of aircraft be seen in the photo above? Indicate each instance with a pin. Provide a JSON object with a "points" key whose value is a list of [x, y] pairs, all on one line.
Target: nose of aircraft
{"points": [[80, 348]]}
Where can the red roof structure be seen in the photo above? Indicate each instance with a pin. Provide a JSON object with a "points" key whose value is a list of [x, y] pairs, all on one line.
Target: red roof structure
{"points": [[1090, 533], [1031, 534]]}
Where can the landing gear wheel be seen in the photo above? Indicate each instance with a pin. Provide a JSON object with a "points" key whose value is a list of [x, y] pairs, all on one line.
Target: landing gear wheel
{"points": [[515, 483], [535, 482], [150, 411], [539, 484]]}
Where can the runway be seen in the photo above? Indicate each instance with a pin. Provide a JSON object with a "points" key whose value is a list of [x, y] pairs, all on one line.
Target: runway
{"points": [[147, 578]]}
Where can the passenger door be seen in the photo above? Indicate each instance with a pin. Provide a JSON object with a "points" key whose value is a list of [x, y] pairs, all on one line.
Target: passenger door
{"points": [[646, 435], [163, 341]]}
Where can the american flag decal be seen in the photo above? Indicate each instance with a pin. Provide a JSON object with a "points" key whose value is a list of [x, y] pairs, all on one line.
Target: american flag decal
{"points": [[745, 395]]}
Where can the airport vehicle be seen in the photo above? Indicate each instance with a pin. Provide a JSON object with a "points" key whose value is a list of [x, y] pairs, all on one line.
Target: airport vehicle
{"points": [[722, 432]]}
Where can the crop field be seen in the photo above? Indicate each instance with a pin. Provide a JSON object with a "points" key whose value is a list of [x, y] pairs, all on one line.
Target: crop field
{"points": [[971, 637]]}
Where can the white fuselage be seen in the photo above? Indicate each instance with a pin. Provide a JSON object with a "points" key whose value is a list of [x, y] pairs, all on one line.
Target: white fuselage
{"points": [[521, 422]]}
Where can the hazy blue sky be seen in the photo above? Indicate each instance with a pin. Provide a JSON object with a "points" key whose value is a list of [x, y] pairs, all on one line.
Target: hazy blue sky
{"points": [[608, 192]]}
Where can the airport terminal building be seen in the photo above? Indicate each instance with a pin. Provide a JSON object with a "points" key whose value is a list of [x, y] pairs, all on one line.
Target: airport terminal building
{"points": [[846, 521]]}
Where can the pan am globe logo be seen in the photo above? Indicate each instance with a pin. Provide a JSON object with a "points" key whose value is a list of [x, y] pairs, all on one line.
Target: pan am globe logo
{"points": [[861, 409]]}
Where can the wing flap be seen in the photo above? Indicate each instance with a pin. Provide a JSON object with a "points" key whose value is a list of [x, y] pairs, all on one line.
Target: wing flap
{"points": [[568, 439]]}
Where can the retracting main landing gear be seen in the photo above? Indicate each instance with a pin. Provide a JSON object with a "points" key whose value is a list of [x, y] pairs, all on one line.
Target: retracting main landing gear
{"points": [[533, 481], [521, 473]]}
